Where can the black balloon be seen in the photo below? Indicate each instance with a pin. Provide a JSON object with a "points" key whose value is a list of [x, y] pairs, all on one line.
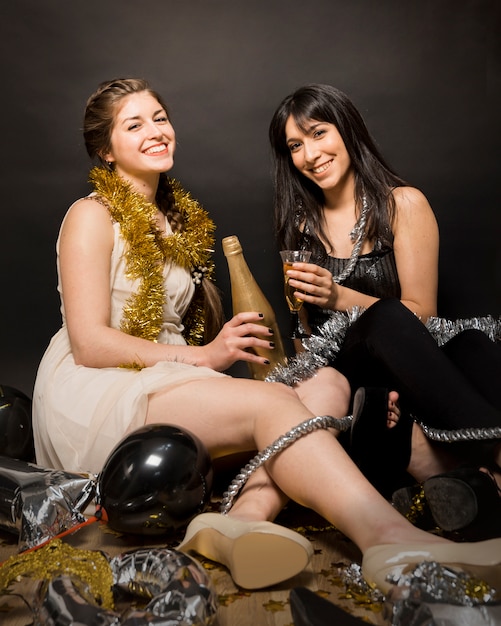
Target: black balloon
{"points": [[16, 432], [155, 481]]}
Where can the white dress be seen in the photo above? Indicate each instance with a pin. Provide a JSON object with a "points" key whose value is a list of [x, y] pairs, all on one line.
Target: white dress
{"points": [[80, 413]]}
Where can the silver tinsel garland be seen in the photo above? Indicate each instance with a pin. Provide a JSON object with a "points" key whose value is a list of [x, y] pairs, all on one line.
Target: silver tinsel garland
{"points": [[323, 347], [320, 349], [304, 428], [443, 329]]}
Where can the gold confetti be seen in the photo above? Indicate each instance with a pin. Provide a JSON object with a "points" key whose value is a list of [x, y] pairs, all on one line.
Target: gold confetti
{"points": [[57, 558], [275, 606], [228, 598]]}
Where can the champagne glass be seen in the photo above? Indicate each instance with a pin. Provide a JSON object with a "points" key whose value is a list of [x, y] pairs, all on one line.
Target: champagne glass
{"points": [[288, 258]]}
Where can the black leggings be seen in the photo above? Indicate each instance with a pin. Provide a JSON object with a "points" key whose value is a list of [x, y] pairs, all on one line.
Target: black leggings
{"points": [[450, 387]]}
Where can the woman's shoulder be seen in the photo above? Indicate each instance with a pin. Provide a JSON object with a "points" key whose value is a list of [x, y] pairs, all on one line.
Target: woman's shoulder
{"points": [[410, 200], [408, 195], [413, 211], [86, 214], [88, 207]]}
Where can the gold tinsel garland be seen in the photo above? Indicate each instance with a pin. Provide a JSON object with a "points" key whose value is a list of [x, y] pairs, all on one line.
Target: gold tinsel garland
{"points": [[147, 250]]}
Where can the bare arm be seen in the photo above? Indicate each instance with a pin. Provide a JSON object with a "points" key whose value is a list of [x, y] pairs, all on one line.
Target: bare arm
{"points": [[416, 246], [416, 243], [85, 259]]}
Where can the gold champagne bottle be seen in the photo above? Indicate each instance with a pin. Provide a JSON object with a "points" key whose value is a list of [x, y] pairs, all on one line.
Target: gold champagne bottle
{"points": [[247, 296]]}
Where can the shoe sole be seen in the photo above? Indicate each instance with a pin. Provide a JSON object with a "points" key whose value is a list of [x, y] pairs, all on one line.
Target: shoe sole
{"points": [[257, 558], [452, 502], [403, 500]]}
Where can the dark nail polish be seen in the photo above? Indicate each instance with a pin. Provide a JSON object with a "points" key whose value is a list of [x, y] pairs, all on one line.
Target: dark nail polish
{"points": [[266, 362], [272, 344], [270, 330], [261, 314]]}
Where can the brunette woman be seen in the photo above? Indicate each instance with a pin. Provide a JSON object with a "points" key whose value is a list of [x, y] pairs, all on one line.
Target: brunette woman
{"points": [[374, 241]]}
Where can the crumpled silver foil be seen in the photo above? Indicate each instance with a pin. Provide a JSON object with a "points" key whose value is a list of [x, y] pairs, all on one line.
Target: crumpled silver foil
{"points": [[179, 591], [433, 595], [178, 587], [411, 613], [432, 582], [37, 504], [67, 601], [355, 583], [430, 595]]}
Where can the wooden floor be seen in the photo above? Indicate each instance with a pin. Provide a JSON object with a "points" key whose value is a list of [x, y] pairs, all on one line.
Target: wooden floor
{"points": [[269, 607]]}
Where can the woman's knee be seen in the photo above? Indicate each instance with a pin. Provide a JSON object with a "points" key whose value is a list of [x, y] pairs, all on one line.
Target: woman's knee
{"points": [[328, 377], [328, 390], [335, 380], [387, 318], [387, 309]]}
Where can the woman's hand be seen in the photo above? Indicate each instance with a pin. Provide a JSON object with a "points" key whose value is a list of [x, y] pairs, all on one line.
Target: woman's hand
{"points": [[238, 335], [314, 284]]}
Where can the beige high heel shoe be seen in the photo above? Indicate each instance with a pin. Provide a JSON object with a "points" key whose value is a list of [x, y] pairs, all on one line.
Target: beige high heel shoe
{"points": [[257, 554], [481, 559]]}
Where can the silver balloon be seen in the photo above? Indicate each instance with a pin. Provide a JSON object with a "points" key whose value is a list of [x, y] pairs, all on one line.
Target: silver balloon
{"points": [[67, 601], [37, 504], [180, 589], [176, 589]]}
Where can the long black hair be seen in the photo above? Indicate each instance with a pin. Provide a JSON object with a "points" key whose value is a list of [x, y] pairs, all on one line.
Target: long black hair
{"points": [[298, 201]]}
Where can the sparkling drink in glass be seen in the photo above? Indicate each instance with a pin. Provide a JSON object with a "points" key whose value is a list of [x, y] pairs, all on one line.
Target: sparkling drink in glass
{"points": [[294, 303]]}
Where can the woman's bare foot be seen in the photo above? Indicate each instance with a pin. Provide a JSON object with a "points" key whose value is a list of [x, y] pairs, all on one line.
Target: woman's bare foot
{"points": [[393, 409], [426, 459], [495, 475], [497, 461]]}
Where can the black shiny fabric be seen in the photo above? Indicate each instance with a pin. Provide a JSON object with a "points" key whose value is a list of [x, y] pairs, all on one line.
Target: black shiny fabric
{"points": [[375, 274]]}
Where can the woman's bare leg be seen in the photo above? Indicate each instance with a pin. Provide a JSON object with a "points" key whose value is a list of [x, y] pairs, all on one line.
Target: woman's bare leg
{"points": [[327, 393], [315, 471], [260, 499]]}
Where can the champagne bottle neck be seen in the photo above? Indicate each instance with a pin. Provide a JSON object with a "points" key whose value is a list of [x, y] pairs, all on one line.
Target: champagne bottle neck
{"points": [[246, 295], [232, 246]]}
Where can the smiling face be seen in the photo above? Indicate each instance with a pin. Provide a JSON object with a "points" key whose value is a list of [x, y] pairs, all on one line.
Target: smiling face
{"points": [[319, 153], [143, 140]]}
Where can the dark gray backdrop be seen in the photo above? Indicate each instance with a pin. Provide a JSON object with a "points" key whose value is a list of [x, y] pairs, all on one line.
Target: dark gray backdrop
{"points": [[424, 73]]}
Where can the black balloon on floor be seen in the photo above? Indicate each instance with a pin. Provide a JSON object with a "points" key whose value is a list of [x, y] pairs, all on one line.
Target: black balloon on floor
{"points": [[155, 481], [16, 433]]}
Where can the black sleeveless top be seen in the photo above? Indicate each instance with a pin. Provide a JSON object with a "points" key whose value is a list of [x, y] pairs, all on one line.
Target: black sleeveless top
{"points": [[375, 274]]}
